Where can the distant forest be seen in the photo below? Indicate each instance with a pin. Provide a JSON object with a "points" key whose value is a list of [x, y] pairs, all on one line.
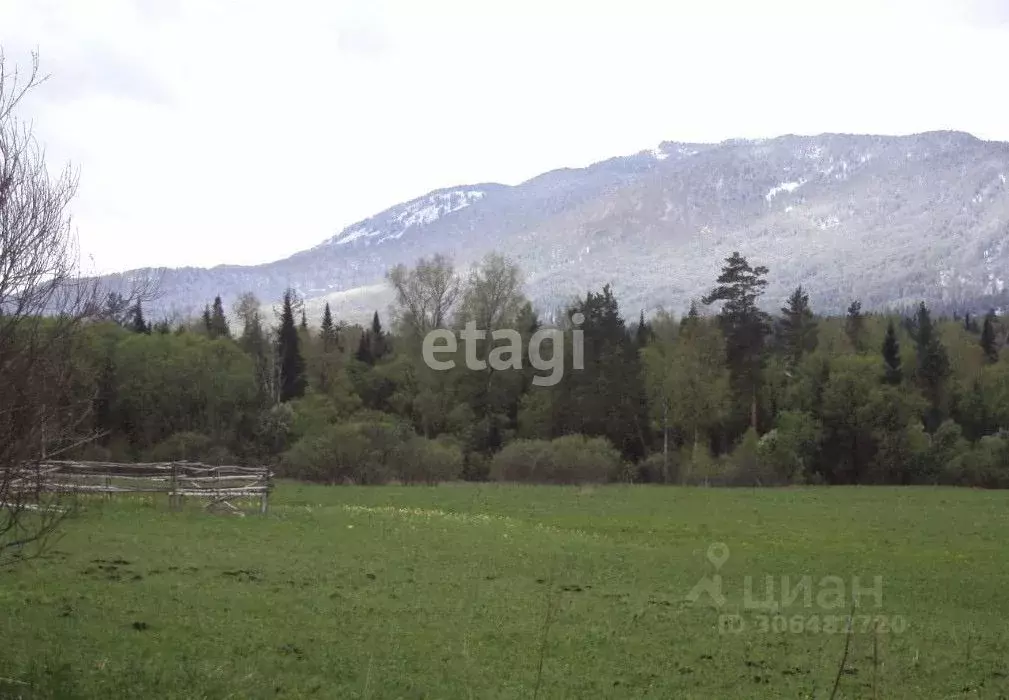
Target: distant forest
{"points": [[724, 395]]}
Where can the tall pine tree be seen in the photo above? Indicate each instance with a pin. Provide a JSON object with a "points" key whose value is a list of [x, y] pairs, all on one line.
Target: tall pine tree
{"points": [[745, 326], [292, 365]]}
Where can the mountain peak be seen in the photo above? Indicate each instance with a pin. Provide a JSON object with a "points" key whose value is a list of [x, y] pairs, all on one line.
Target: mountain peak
{"points": [[394, 222]]}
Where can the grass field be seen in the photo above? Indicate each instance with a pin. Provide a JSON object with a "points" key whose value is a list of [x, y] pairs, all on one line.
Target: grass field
{"points": [[517, 592]]}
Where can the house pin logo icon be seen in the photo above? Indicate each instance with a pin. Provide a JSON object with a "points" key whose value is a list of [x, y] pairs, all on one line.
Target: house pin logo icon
{"points": [[718, 554]]}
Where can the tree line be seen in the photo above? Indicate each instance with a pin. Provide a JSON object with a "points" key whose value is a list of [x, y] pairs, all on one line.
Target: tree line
{"points": [[727, 394]]}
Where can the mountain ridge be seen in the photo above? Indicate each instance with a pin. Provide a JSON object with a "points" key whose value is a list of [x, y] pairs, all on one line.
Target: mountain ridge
{"points": [[887, 219]]}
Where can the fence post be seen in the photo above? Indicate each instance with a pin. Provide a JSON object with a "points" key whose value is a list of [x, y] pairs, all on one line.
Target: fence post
{"points": [[172, 496], [264, 500]]}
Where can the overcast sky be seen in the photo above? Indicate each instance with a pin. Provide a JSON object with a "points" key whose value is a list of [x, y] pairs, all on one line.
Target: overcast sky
{"points": [[208, 132]]}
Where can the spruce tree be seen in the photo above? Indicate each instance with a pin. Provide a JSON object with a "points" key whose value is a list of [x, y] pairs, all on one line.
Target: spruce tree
{"points": [[208, 324], [643, 334], [378, 339], [797, 330], [292, 365], [304, 320], [745, 326], [364, 353], [607, 397], [692, 315], [932, 363], [892, 373], [138, 325], [854, 326], [989, 345], [327, 331], [218, 327]]}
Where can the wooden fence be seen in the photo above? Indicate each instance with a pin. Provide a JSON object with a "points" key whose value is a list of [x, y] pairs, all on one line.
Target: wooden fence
{"points": [[218, 485]]}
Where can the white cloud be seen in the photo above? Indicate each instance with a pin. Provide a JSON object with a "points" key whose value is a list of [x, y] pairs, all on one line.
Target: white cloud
{"points": [[210, 132]]}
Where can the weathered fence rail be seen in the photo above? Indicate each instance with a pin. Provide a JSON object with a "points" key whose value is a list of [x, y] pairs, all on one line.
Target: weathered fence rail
{"points": [[218, 485]]}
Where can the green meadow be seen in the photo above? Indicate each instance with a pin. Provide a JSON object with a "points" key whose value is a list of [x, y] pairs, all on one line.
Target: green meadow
{"points": [[494, 591]]}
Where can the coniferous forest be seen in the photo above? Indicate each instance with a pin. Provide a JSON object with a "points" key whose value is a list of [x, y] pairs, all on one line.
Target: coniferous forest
{"points": [[727, 394]]}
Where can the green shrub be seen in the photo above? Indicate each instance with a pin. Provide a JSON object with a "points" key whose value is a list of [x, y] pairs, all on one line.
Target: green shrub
{"points": [[521, 460], [372, 452], [699, 467], [650, 470], [571, 459], [420, 460], [748, 466]]}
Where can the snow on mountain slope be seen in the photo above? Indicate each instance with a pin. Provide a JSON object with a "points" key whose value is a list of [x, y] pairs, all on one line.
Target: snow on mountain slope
{"points": [[889, 220], [393, 223]]}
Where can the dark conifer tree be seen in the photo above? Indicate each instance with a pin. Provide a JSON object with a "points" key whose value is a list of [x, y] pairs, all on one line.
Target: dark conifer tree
{"points": [[304, 320], [378, 338], [606, 397], [854, 326], [327, 331], [138, 324], [745, 326], [364, 353], [643, 333], [988, 342], [218, 327], [932, 363], [892, 373], [292, 365], [208, 324], [693, 315], [797, 330]]}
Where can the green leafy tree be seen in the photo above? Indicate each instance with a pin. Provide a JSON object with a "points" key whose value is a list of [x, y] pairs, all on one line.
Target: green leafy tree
{"points": [[688, 383]]}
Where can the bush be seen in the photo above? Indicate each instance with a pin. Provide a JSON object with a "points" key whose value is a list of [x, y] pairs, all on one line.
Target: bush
{"points": [[988, 463], [420, 460], [372, 452], [699, 467], [650, 469], [749, 466], [521, 460], [571, 459]]}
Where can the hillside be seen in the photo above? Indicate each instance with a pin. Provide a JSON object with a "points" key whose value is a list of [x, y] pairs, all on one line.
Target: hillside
{"points": [[889, 220]]}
